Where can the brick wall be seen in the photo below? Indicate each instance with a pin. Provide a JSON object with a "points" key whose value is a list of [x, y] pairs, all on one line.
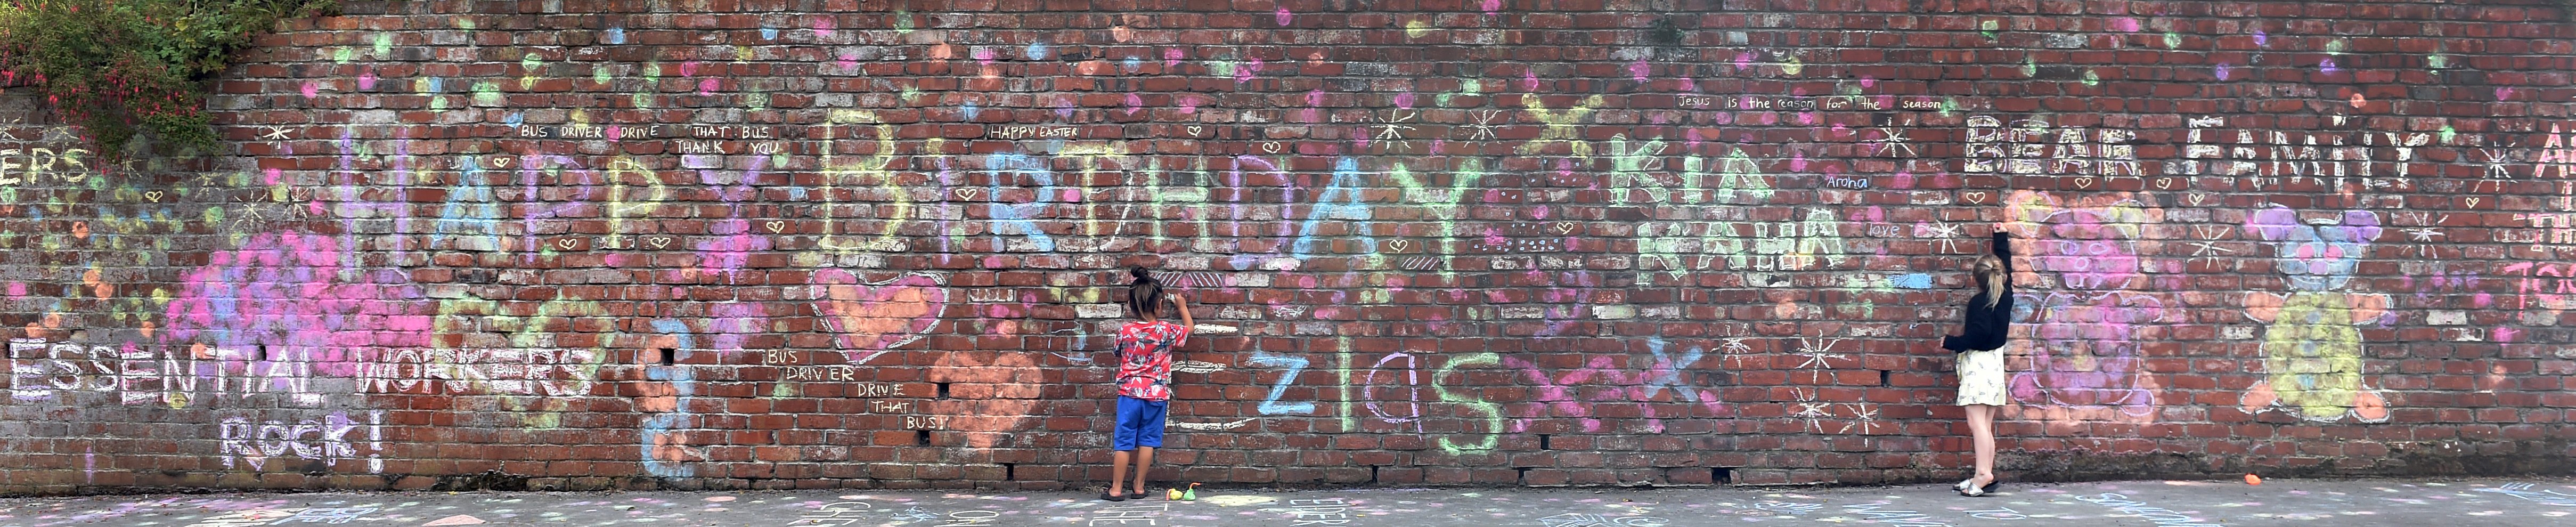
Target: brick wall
{"points": [[734, 243]]}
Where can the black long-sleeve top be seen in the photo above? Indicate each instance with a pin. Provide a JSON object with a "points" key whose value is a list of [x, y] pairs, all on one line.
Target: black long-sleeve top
{"points": [[1987, 322]]}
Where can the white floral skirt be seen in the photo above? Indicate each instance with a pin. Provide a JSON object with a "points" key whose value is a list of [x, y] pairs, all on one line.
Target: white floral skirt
{"points": [[1981, 376]]}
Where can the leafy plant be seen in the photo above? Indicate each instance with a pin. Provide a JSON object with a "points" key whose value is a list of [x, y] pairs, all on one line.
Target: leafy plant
{"points": [[132, 72]]}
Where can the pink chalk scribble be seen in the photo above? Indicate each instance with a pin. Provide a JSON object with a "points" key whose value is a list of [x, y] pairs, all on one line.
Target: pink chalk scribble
{"points": [[298, 295]]}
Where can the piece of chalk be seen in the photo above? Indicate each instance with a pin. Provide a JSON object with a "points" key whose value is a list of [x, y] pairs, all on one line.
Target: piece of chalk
{"points": [[2251, 479]]}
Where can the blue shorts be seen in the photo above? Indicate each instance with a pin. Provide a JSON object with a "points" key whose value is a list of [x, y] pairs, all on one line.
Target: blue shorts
{"points": [[1140, 423]]}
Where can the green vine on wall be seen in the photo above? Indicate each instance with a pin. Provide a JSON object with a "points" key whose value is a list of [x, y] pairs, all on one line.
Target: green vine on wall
{"points": [[133, 73]]}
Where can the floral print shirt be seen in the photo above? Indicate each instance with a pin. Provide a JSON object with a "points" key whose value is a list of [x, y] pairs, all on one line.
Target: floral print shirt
{"points": [[1145, 358]]}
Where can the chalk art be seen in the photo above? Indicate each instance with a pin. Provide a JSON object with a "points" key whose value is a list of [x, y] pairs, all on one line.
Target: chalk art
{"points": [[829, 240], [2524, 490], [2313, 345], [873, 318], [2086, 315], [2032, 146], [252, 443]]}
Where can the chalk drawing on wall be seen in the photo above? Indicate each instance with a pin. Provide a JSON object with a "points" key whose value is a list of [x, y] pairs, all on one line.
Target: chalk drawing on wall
{"points": [[521, 372], [282, 308], [666, 396], [875, 317], [991, 394], [1563, 125], [857, 172], [2033, 146], [2086, 314], [1511, 238], [1214, 425], [1818, 409], [249, 443], [1718, 189], [2312, 342]]}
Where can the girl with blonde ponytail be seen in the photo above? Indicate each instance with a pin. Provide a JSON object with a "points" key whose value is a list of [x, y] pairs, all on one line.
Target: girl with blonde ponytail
{"points": [[1980, 346]]}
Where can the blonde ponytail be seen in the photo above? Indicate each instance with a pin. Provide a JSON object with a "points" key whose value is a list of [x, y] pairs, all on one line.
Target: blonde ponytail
{"points": [[1990, 277]]}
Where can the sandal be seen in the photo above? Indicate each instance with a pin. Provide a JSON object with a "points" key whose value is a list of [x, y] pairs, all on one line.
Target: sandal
{"points": [[1106, 496], [1973, 492]]}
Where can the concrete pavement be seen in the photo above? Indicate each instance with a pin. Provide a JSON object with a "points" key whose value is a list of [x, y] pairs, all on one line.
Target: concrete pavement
{"points": [[2444, 503]]}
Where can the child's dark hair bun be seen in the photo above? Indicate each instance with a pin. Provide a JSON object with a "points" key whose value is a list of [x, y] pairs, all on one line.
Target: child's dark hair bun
{"points": [[1146, 294]]}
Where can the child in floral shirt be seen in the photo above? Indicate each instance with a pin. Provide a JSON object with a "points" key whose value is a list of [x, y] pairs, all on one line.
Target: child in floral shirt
{"points": [[1144, 381]]}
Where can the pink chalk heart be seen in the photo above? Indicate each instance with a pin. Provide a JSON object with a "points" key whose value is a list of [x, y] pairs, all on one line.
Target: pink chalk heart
{"points": [[459, 519], [875, 317]]}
